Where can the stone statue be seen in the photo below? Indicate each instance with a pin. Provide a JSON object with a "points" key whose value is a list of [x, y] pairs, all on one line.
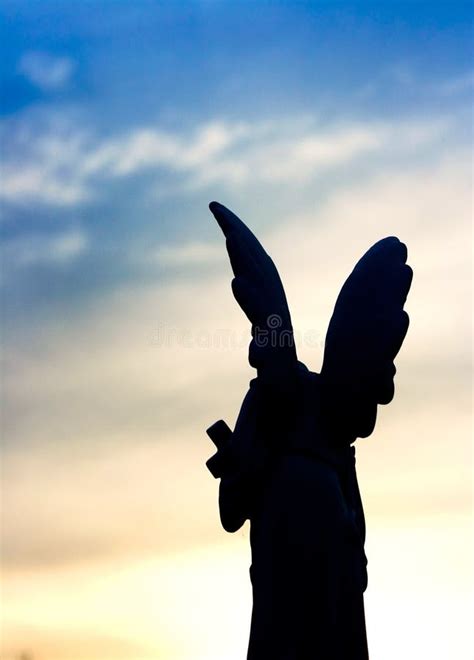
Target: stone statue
{"points": [[289, 464]]}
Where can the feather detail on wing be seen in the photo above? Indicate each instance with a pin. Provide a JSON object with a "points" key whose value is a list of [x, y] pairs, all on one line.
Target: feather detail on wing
{"points": [[365, 333], [258, 289]]}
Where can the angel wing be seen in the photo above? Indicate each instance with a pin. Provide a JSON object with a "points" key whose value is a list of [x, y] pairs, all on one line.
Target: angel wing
{"points": [[365, 333], [258, 289]]}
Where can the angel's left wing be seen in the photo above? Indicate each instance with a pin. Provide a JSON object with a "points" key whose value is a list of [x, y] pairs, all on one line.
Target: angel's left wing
{"points": [[259, 291], [365, 333]]}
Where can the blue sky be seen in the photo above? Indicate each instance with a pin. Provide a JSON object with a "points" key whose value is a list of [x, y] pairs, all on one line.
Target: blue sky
{"points": [[178, 67], [326, 126]]}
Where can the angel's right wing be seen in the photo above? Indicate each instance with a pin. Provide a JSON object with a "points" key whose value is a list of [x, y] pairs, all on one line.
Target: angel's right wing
{"points": [[258, 289], [365, 333], [242, 454]]}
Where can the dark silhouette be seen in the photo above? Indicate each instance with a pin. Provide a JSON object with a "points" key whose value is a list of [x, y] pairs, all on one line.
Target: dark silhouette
{"points": [[289, 465]]}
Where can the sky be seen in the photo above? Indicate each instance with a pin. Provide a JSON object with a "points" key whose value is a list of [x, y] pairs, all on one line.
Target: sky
{"points": [[326, 126]]}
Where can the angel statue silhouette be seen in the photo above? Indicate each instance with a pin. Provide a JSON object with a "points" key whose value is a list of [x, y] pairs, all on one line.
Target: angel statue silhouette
{"points": [[289, 464]]}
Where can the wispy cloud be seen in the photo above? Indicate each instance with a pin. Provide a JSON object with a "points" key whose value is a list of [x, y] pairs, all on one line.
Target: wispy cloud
{"points": [[63, 166], [35, 249], [42, 161], [153, 148], [48, 72], [189, 254]]}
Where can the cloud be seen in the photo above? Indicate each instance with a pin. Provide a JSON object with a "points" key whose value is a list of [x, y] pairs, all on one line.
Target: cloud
{"points": [[189, 254], [64, 165], [48, 72], [42, 162], [267, 152], [37, 249], [153, 148]]}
